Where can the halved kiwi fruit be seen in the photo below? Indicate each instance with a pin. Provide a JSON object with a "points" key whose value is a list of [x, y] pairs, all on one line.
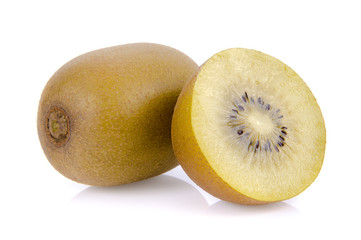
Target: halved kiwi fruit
{"points": [[104, 117], [247, 129]]}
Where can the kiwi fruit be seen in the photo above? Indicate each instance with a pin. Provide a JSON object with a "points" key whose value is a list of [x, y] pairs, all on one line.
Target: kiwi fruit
{"points": [[247, 129], [104, 118]]}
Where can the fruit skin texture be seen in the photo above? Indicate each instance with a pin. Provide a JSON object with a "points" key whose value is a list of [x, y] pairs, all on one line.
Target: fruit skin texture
{"points": [[119, 102], [189, 152], [191, 157]]}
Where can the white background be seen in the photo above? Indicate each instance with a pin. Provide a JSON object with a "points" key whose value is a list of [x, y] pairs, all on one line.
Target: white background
{"points": [[320, 40]]}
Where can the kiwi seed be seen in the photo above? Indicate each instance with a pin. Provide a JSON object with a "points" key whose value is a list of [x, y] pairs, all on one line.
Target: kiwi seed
{"points": [[254, 140]]}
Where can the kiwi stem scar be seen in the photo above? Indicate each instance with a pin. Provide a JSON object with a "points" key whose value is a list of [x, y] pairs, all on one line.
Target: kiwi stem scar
{"points": [[257, 124], [57, 126]]}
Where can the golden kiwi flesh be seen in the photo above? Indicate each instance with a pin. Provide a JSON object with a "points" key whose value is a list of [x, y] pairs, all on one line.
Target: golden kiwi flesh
{"points": [[247, 129]]}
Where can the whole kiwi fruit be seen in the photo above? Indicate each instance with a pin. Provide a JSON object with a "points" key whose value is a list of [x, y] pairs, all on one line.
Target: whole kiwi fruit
{"points": [[104, 118]]}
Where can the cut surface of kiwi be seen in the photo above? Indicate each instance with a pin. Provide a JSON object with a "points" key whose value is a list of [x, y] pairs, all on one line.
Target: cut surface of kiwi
{"points": [[247, 129], [104, 118]]}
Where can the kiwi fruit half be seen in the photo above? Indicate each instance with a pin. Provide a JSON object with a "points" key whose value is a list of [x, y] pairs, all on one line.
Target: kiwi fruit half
{"points": [[104, 118], [247, 129]]}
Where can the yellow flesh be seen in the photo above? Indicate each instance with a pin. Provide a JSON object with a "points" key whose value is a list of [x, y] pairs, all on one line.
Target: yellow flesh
{"points": [[265, 175]]}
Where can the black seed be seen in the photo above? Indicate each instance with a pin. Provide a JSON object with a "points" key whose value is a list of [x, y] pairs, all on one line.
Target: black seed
{"points": [[265, 147], [284, 127], [257, 144], [259, 100], [245, 93], [244, 99], [281, 144], [282, 138], [240, 107], [268, 107], [250, 145], [240, 132], [284, 132], [233, 117], [276, 148], [235, 110]]}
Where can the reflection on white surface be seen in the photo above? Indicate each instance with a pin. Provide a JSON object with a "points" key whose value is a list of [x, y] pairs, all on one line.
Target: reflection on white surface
{"points": [[168, 193], [232, 209], [161, 192]]}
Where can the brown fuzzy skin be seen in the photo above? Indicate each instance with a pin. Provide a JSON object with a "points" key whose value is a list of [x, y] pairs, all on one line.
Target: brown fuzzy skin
{"points": [[190, 156], [119, 102]]}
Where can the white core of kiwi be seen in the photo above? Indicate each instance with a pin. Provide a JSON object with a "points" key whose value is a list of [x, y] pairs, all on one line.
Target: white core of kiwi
{"points": [[257, 124]]}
